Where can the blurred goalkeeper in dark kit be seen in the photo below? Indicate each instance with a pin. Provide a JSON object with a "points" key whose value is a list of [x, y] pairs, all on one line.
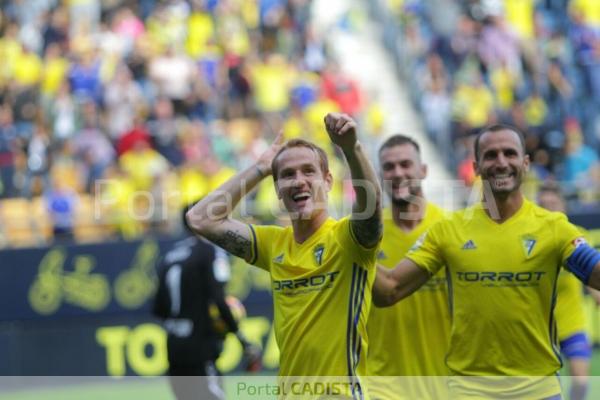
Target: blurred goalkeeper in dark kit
{"points": [[192, 277]]}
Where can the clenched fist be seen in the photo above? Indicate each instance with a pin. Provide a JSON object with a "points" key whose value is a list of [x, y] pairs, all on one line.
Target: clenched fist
{"points": [[341, 129]]}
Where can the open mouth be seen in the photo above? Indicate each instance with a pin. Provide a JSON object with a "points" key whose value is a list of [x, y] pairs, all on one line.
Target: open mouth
{"points": [[400, 188], [502, 179], [301, 198]]}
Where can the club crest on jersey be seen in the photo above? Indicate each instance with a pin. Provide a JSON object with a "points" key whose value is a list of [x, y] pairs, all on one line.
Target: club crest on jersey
{"points": [[318, 253], [528, 244], [469, 245], [278, 259], [381, 255]]}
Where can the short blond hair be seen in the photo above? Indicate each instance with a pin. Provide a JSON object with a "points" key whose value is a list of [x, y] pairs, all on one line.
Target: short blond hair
{"points": [[323, 160]]}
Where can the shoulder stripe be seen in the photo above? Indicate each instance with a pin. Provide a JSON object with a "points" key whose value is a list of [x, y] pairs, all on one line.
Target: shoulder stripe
{"points": [[358, 306], [553, 331], [254, 246], [349, 336], [450, 292], [353, 337]]}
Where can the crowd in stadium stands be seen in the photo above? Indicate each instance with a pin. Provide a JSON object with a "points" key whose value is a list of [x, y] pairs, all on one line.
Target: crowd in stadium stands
{"points": [[534, 64], [131, 109]]}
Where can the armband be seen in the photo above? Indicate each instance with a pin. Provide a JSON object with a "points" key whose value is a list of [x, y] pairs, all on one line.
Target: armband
{"points": [[582, 262]]}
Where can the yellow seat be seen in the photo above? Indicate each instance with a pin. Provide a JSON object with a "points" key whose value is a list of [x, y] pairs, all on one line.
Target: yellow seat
{"points": [[41, 221], [16, 219], [88, 227]]}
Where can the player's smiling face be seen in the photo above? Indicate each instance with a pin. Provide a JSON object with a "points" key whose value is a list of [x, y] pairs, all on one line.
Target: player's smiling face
{"points": [[301, 184], [502, 161], [402, 172]]}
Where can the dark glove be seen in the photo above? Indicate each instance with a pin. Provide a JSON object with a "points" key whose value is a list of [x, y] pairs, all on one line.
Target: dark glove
{"points": [[252, 357]]}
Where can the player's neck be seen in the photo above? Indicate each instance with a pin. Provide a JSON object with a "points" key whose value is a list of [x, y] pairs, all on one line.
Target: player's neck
{"points": [[409, 215], [305, 228], [500, 207]]}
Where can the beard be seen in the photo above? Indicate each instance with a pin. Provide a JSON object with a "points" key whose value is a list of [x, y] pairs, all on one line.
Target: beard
{"points": [[404, 201], [409, 194], [505, 190]]}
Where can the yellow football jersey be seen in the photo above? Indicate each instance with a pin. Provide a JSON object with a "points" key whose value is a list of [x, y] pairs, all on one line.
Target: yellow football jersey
{"points": [[570, 304], [411, 337], [502, 285], [322, 296]]}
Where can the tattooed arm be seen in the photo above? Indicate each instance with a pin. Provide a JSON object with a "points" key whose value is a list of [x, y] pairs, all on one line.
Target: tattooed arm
{"points": [[366, 210], [211, 216]]}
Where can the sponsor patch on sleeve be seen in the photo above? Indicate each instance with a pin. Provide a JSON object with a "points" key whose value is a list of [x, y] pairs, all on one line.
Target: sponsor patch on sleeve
{"points": [[419, 242], [579, 241]]}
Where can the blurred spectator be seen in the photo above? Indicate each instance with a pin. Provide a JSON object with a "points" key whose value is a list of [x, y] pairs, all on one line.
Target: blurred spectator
{"points": [[540, 165], [305, 89], [123, 98], [28, 69], [62, 113], [184, 92], [463, 42], [38, 163], [84, 77], [472, 103], [585, 42], [200, 28], [61, 202], [581, 161], [343, 89], [173, 75], [498, 45], [57, 29], [270, 82], [66, 167], [84, 15], [92, 147], [128, 27], [8, 149], [314, 53], [435, 104], [533, 64], [138, 133], [536, 112], [588, 10], [143, 164], [239, 91], [560, 94], [163, 129], [55, 71], [116, 196]]}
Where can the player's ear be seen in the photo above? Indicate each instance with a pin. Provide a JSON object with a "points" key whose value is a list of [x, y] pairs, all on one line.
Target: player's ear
{"points": [[277, 188], [424, 170], [328, 181], [526, 162], [476, 167]]}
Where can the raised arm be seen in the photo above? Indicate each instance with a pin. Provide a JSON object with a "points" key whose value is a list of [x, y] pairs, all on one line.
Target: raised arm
{"points": [[392, 285], [366, 210], [594, 281], [211, 216], [595, 293]]}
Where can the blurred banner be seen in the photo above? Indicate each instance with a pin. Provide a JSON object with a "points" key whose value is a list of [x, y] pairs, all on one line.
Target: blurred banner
{"points": [[85, 310]]}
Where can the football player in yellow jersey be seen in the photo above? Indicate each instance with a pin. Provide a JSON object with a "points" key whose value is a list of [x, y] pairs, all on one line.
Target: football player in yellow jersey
{"points": [[322, 270], [502, 259], [410, 338], [570, 313]]}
